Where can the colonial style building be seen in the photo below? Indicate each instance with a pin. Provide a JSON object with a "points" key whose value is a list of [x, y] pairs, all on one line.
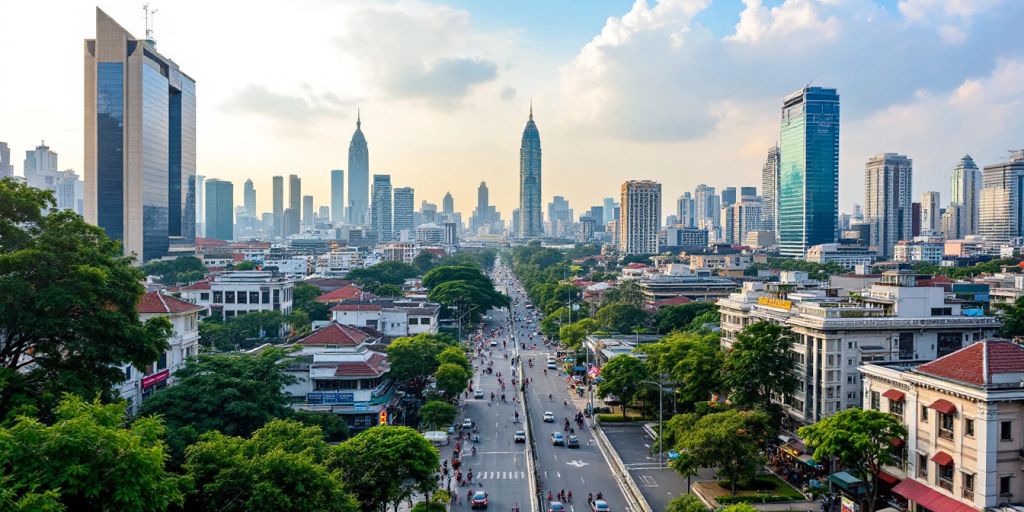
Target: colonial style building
{"points": [[236, 293]]}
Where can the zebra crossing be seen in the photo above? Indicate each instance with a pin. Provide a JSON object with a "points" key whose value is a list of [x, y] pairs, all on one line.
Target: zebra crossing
{"points": [[500, 475]]}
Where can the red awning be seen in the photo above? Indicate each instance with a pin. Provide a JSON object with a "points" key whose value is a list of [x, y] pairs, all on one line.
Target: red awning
{"points": [[894, 394], [944, 406], [930, 498], [897, 442], [887, 478], [942, 458]]}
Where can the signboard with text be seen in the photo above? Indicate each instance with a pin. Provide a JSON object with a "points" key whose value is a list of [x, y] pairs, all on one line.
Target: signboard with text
{"points": [[330, 397], [156, 378]]}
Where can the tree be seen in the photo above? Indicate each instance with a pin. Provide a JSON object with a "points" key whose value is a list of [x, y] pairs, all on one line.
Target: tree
{"points": [[413, 360], [334, 428], [452, 379], [572, 335], [68, 297], [627, 292], [691, 359], [436, 414], [386, 464], [454, 355], [675, 318], [233, 393], [760, 365], [463, 293], [621, 318], [686, 503], [424, 261], [283, 466], [740, 507], [730, 441], [304, 297], [383, 290], [88, 460], [244, 265], [182, 269], [1012, 315], [621, 377], [864, 440], [386, 272]]}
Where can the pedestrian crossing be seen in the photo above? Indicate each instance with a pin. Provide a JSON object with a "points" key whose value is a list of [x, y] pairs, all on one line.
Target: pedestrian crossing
{"points": [[499, 475]]}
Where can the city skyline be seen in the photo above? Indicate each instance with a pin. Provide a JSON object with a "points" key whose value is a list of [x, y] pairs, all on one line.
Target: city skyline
{"points": [[933, 117]]}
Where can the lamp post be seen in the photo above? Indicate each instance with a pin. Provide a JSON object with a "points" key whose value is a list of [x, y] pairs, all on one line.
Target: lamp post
{"points": [[661, 415]]}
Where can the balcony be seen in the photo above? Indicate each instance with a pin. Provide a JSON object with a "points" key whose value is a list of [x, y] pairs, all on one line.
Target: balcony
{"points": [[946, 484], [967, 494], [946, 434]]}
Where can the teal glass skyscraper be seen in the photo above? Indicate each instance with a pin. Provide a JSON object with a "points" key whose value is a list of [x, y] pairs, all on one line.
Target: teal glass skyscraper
{"points": [[531, 223], [808, 195]]}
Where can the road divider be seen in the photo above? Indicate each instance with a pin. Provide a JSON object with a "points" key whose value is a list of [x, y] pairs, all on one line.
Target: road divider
{"points": [[629, 488]]}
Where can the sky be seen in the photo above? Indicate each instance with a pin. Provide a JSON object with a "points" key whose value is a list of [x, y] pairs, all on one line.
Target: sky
{"points": [[678, 91]]}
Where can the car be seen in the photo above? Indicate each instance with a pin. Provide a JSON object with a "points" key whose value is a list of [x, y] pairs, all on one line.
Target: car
{"points": [[552, 365], [573, 442], [467, 423], [519, 436], [599, 506], [479, 500], [494, 343], [556, 506], [557, 439], [549, 417], [673, 455], [478, 393]]}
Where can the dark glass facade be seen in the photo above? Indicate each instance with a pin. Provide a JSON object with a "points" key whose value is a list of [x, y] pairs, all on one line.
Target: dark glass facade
{"points": [[110, 148], [155, 151]]}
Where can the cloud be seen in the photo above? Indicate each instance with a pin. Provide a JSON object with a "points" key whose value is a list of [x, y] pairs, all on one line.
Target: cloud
{"points": [[259, 100], [508, 93]]}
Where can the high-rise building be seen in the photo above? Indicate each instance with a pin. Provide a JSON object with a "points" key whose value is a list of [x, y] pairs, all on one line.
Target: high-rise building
{"points": [[249, 198], [200, 205], [931, 214], [887, 200], [293, 221], [1001, 212], [609, 206], [358, 176], [808, 170], [952, 222], [965, 187], [530, 216], [915, 219], [404, 205], [324, 214], [741, 218], [308, 220], [485, 216], [337, 197], [448, 204], [278, 206], [641, 217], [428, 212], [483, 199], [40, 167], [707, 206], [597, 214], [6, 169], [769, 189], [748, 193], [380, 208], [559, 216], [140, 143], [686, 210], [219, 207], [728, 196]]}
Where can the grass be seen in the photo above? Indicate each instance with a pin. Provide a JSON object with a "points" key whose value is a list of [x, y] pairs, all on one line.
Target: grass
{"points": [[617, 417], [764, 489]]}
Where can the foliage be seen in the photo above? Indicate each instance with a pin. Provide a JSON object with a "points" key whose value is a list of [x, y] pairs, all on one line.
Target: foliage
{"points": [[88, 460], [68, 320], [677, 318], [385, 272], [479, 293], [413, 360], [621, 377], [739, 507], [760, 365], [622, 318], [244, 265], [304, 298], [861, 439], [455, 355], [382, 290], [386, 464], [572, 335], [452, 379], [730, 440], [627, 292], [178, 270], [436, 414], [1012, 315], [283, 466], [582, 251], [817, 271], [238, 332], [710, 316], [332, 425], [693, 360], [424, 261], [686, 503], [233, 393], [970, 272]]}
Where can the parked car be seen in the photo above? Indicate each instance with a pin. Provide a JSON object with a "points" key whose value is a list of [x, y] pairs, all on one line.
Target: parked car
{"points": [[573, 442], [479, 500], [520, 436], [478, 393], [557, 439], [549, 417], [600, 506]]}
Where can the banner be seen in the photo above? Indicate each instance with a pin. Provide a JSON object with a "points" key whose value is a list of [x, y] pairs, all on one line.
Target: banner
{"points": [[848, 505]]}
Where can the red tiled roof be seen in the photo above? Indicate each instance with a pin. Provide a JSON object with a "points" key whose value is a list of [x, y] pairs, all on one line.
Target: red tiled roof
{"points": [[198, 285], [636, 265], [156, 302], [335, 334], [357, 307], [344, 293], [375, 366], [672, 301], [967, 364], [237, 257]]}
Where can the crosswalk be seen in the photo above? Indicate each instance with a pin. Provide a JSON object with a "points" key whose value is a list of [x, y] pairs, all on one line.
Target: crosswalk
{"points": [[500, 475]]}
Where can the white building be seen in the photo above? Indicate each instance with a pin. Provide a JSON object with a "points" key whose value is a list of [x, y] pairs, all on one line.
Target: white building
{"points": [[965, 188], [887, 200], [740, 218], [641, 217], [847, 255], [931, 214], [900, 317], [292, 266], [236, 293], [394, 318], [140, 383], [921, 248], [339, 261]]}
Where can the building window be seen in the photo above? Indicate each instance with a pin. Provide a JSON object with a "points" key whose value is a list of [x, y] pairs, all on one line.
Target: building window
{"points": [[243, 298], [969, 428], [128, 372], [906, 345], [1006, 431], [946, 477], [922, 467], [161, 363], [1004, 486], [968, 486], [948, 342], [924, 414], [875, 400], [254, 297], [204, 296], [277, 297], [218, 297], [265, 296], [896, 407], [229, 297], [946, 426]]}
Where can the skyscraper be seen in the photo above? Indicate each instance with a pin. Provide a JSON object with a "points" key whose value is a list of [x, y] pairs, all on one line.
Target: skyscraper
{"points": [[707, 206], [380, 208], [965, 187], [931, 214], [448, 204], [685, 210], [308, 218], [278, 206], [1001, 212], [219, 207], [428, 212], [728, 196], [140, 143], [741, 218], [482, 196], [530, 216], [337, 196], [200, 205], [769, 189], [249, 198], [640, 217], [559, 216], [404, 205], [292, 220], [887, 200], [40, 167], [808, 170], [6, 169], [609, 210], [358, 176]]}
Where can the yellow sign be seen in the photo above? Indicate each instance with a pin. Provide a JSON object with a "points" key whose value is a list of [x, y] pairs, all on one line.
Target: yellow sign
{"points": [[775, 303], [383, 418]]}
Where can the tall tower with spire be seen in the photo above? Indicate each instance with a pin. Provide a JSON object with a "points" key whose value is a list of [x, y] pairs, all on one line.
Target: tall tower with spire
{"points": [[358, 177], [531, 221]]}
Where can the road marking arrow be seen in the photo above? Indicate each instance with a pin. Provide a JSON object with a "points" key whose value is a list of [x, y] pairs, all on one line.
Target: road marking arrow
{"points": [[577, 463]]}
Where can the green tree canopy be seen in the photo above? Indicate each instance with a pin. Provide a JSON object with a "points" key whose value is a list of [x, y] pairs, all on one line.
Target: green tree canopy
{"points": [[480, 296], [730, 441], [740, 507], [445, 274], [452, 379], [68, 298], [622, 377], [304, 297], [676, 318], [619, 317], [1012, 315], [627, 292], [332, 425], [179, 270], [413, 360], [572, 335], [692, 360], [760, 364], [455, 355], [436, 414], [686, 503], [386, 272], [88, 460], [386, 464], [864, 440], [243, 265], [283, 466]]}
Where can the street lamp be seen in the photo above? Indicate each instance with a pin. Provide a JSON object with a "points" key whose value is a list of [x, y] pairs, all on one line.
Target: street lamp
{"points": [[661, 414]]}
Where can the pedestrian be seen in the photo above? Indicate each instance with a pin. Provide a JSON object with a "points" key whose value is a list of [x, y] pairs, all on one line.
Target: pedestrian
{"points": [[590, 498]]}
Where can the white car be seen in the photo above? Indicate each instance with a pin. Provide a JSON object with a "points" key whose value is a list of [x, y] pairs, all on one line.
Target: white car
{"points": [[552, 365], [478, 393], [494, 343], [549, 417], [468, 423]]}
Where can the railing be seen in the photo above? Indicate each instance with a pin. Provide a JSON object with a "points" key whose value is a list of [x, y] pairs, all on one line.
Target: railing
{"points": [[946, 484], [967, 494], [946, 434]]}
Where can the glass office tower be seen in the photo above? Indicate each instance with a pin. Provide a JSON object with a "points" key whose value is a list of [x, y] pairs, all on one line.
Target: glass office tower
{"points": [[808, 195]]}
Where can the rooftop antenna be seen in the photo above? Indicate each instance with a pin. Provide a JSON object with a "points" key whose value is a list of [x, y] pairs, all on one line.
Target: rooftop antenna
{"points": [[150, 15], [815, 77]]}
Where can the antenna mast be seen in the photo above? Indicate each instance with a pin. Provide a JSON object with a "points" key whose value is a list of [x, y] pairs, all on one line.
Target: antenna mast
{"points": [[150, 15]]}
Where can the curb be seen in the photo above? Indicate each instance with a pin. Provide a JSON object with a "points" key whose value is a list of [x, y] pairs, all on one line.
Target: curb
{"points": [[633, 494], [531, 466]]}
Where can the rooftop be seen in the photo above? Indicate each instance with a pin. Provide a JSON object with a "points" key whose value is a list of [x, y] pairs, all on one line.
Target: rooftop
{"points": [[984, 364], [158, 303], [336, 334]]}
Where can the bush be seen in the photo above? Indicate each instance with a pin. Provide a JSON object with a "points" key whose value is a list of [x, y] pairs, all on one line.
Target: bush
{"points": [[617, 418], [760, 498]]}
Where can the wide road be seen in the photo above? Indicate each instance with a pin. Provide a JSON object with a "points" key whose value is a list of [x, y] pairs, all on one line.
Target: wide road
{"points": [[583, 470]]}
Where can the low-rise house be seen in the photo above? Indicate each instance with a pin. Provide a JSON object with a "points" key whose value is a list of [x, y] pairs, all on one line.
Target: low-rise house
{"points": [[236, 293], [393, 317]]}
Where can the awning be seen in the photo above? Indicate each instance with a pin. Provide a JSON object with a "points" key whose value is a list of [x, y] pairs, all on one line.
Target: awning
{"points": [[790, 450], [887, 478], [894, 394], [847, 481], [942, 458], [944, 406], [807, 459], [897, 442], [930, 498]]}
